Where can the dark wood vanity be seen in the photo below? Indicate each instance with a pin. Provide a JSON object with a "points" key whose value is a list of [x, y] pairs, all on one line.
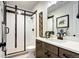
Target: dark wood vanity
{"points": [[45, 50]]}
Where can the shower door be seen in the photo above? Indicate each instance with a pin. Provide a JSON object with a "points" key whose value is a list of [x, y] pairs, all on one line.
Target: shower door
{"points": [[11, 41]]}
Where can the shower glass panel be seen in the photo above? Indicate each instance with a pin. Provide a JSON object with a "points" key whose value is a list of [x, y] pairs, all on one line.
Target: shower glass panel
{"points": [[20, 32], [11, 35]]}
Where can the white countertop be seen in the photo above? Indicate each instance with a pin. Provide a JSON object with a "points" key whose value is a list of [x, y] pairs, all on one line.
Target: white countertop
{"points": [[70, 45]]}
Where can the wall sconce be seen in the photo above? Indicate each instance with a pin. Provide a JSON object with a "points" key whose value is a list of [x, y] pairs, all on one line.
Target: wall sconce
{"points": [[78, 11]]}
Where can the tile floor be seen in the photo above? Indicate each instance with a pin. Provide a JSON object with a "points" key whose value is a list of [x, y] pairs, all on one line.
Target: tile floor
{"points": [[30, 54]]}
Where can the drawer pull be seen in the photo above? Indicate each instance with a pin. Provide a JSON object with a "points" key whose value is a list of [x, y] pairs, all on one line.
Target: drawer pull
{"points": [[48, 55], [67, 56]]}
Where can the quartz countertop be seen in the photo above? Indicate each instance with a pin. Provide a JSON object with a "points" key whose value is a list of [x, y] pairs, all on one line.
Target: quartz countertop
{"points": [[70, 45]]}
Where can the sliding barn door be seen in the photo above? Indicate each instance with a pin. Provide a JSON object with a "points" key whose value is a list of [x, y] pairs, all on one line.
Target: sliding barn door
{"points": [[15, 45]]}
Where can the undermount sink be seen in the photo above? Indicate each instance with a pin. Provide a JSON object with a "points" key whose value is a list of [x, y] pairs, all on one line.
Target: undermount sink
{"points": [[64, 42], [67, 41], [56, 40], [72, 38]]}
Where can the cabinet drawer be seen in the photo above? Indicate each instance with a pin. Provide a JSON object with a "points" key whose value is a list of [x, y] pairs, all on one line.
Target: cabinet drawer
{"points": [[40, 54], [67, 54], [52, 48], [50, 54]]}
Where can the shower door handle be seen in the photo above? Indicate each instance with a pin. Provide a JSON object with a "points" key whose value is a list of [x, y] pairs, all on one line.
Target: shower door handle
{"points": [[7, 30]]}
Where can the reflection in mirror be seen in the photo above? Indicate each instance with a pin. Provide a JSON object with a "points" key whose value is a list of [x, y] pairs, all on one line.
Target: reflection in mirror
{"points": [[62, 8], [50, 23], [50, 26]]}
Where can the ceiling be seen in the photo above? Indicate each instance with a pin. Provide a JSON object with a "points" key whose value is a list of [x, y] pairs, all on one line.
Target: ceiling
{"points": [[57, 5], [27, 5]]}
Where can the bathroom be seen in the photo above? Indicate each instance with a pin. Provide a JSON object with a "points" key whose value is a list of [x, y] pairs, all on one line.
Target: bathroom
{"points": [[39, 29]]}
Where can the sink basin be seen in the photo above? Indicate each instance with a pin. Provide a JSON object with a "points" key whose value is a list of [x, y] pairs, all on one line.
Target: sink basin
{"points": [[56, 40], [65, 42]]}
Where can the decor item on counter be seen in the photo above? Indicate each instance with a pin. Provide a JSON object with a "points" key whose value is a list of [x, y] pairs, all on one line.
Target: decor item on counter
{"points": [[48, 33], [63, 21], [60, 34]]}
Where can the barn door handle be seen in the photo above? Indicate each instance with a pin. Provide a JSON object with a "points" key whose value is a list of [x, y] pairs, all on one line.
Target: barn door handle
{"points": [[7, 30], [3, 44]]}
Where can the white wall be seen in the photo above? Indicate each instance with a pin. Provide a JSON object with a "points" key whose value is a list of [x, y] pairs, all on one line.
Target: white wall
{"points": [[42, 7], [71, 9], [30, 35], [76, 21], [28, 31], [1, 19]]}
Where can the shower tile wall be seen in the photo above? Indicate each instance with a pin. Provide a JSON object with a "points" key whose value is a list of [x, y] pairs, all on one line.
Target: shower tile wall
{"points": [[41, 24]]}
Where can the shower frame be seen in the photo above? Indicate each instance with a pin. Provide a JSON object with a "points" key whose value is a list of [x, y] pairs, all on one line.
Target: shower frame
{"points": [[25, 14]]}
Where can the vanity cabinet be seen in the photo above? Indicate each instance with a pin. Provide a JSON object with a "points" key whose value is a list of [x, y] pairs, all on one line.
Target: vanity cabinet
{"points": [[51, 48], [40, 49], [49, 54], [52, 51], [46, 50], [67, 54]]}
